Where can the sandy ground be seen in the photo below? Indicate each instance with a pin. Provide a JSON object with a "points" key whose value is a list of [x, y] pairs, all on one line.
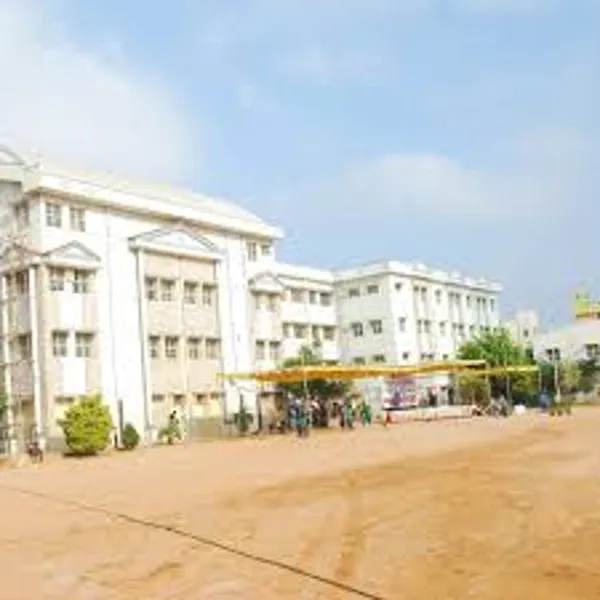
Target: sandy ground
{"points": [[485, 509]]}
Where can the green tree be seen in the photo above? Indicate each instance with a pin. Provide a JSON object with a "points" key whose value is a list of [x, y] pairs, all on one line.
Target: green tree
{"points": [[322, 390], [498, 349], [472, 389], [590, 374], [87, 426], [570, 377]]}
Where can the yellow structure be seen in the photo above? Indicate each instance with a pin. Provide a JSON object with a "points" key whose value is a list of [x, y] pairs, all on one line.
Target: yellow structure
{"points": [[298, 374], [584, 308]]}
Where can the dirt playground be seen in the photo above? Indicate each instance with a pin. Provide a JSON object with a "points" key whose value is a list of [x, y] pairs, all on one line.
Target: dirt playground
{"points": [[484, 509]]}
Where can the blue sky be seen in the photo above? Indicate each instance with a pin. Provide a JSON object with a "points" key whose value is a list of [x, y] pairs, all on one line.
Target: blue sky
{"points": [[461, 133]]}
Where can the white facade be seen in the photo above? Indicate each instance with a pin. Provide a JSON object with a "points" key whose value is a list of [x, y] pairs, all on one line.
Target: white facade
{"points": [[524, 327], [399, 313], [578, 341], [105, 221], [151, 343]]}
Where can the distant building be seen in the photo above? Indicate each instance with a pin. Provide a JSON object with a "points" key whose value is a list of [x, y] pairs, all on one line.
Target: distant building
{"points": [[578, 341], [524, 327], [398, 313], [585, 308]]}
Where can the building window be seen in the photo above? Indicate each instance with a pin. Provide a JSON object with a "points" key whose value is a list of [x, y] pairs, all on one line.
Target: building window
{"points": [[258, 301], [260, 350], [252, 251], [443, 328], [353, 293], [57, 279], [316, 333], [21, 214], [77, 217], [213, 349], [326, 299], [201, 398], [272, 303], [445, 357], [154, 346], [171, 347], [297, 295], [406, 356], [357, 329], [81, 282], [274, 350], [190, 292], [553, 354], [438, 296], [358, 360], [427, 326], [300, 331], [376, 327], [468, 301], [492, 305], [178, 400], [60, 340], [423, 294], [398, 286], [22, 282], [167, 290], [287, 330], [84, 345], [193, 348], [208, 294], [402, 324], [53, 215], [312, 297], [372, 289], [592, 351], [379, 358], [266, 249], [151, 288], [158, 398], [24, 346], [329, 333]]}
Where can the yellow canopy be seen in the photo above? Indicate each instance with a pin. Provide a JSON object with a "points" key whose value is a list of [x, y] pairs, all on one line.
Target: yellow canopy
{"points": [[297, 374], [508, 370]]}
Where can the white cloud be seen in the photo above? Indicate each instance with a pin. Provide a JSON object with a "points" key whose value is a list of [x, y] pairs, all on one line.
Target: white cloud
{"points": [[84, 106], [545, 175]]}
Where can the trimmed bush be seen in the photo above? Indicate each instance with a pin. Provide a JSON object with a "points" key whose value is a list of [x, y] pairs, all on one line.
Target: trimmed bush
{"points": [[87, 426], [170, 433], [243, 420], [130, 438]]}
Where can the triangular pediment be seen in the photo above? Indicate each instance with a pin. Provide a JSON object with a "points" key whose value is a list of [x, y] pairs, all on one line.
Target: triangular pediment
{"points": [[267, 282], [177, 240], [72, 252]]}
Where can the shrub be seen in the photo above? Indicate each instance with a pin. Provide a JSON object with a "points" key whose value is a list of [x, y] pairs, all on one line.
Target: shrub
{"points": [[87, 426], [130, 437], [170, 433], [243, 420]]}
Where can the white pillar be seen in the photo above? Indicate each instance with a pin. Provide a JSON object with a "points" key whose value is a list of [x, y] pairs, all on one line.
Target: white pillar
{"points": [[143, 328], [6, 350], [40, 429]]}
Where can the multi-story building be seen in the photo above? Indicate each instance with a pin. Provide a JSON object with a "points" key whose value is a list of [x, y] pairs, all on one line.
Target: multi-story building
{"points": [[139, 293], [399, 313], [524, 327], [146, 294]]}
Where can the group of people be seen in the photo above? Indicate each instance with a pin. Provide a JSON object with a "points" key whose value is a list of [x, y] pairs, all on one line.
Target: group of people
{"points": [[303, 414], [348, 414]]}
